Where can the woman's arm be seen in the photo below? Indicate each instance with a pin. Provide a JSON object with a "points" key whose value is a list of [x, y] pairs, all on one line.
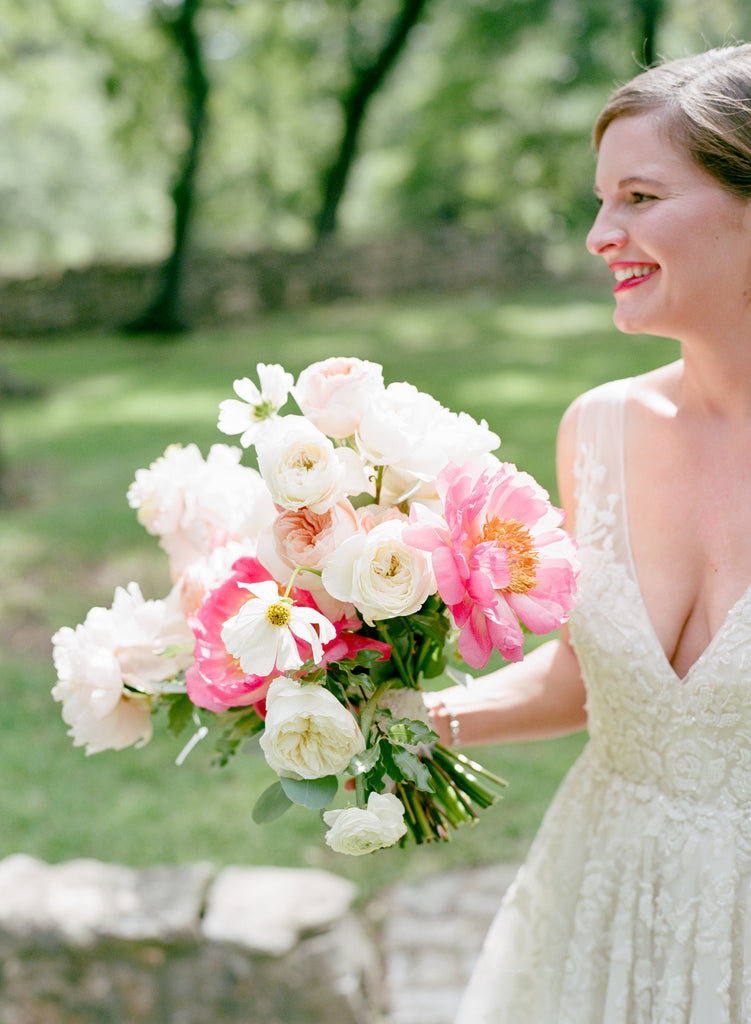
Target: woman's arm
{"points": [[540, 697]]}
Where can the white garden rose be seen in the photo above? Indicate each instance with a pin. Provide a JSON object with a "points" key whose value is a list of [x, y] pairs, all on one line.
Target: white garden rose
{"points": [[303, 469], [333, 393], [308, 734], [379, 573], [360, 830]]}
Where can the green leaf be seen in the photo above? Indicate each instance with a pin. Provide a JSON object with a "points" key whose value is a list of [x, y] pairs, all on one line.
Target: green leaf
{"points": [[413, 769], [311, 793], [410, 731], [271, 804], [180, 714]]}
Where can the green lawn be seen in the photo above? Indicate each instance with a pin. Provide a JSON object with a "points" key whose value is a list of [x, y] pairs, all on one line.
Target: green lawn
{"points": [[110, 405]]}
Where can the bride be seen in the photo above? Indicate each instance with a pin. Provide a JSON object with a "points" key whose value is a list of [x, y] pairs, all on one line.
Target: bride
{"points": [[634, 906]]}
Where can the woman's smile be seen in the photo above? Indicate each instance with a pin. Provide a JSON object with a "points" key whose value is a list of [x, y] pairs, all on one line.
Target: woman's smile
{"points": [[629, 275]]}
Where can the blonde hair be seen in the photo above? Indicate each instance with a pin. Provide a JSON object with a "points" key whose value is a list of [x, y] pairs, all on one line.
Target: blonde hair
{"points": [[705, 107]]}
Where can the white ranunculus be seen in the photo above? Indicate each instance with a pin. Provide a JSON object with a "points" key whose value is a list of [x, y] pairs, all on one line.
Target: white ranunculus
{"points": [[110, 665], [308, 734], [333, 393], [358, 830], [377, 572], [195, 505], [303, 469]]}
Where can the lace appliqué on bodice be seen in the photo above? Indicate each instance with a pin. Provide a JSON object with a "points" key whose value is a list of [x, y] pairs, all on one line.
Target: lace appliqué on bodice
{"points": [[634, 906]]}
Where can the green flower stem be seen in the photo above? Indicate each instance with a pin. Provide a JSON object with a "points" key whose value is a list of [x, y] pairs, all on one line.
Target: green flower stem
{"points": [[468, 777], [424, 819], [368, 710], [397, 658], [296, 572], [457, 809]]}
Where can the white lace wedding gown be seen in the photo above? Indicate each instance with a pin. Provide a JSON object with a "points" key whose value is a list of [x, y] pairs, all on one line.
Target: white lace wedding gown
{"points": [[634, 906]]}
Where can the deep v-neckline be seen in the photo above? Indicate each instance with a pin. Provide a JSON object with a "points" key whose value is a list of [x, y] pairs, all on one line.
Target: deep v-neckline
{"points": [[634, 575]]}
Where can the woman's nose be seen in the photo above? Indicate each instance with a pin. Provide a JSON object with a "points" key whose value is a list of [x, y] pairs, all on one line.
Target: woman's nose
{"points": [[605, 235]]}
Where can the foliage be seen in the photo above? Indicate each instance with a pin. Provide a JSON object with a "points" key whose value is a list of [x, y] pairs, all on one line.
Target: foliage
{"points": [[485, 119]]}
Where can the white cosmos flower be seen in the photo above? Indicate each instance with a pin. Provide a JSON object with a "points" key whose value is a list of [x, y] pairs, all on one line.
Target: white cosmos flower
{"points": [[359, 830], [262, 635], [250, 416]]}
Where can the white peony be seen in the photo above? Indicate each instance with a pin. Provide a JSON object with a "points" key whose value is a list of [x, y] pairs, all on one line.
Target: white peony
{"points": [[379, 573], [415, 436], [303, 468], [110, 665], [333, 393], [195, 505], [358, 830], [208, 572], [308, 734]]}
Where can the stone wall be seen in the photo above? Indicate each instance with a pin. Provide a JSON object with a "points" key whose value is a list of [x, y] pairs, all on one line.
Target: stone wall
{"points": [[90, 943], [219, 287]]}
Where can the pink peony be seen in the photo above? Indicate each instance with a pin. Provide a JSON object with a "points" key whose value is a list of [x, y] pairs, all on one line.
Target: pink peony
{"points": [[499, 556], [215, 680]]}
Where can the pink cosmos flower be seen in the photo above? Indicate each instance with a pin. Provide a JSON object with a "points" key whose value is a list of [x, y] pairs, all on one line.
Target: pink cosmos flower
{"points": [[499, 557], [216, 679]]}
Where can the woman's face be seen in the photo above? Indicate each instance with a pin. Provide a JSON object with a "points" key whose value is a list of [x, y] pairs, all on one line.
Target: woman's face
{"points": [[678, 243]]}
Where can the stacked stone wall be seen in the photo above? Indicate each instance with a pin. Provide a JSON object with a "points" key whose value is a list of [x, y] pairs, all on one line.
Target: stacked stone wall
{"points": [[221, 287], [92, 943]]}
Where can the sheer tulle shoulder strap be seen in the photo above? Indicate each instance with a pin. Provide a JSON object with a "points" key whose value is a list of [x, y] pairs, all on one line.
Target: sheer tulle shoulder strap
{"points": [[599, 462]]}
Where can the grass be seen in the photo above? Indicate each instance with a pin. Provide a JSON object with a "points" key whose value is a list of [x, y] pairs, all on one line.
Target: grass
{"points": [[109, 405]]}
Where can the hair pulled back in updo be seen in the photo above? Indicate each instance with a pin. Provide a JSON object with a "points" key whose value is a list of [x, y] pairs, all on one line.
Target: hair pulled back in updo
{"points": [[704, 104]]}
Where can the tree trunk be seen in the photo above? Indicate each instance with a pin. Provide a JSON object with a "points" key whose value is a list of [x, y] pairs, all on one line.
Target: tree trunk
{"points": [[163, 315], [366, 84], [648, 15]]}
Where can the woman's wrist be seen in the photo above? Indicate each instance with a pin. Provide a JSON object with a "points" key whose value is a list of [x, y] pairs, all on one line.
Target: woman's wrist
{"points": [[445, 723]]}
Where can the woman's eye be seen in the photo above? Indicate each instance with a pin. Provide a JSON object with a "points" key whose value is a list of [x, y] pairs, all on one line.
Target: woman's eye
{"points": [[641, 197]]}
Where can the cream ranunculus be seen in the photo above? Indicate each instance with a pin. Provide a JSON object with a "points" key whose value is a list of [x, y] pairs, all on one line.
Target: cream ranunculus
{"points": [[308, 734], [332, 394], [359, 830], [379, 574], [303, 469]]}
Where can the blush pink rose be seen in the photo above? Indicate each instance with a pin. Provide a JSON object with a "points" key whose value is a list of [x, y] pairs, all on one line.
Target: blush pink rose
{"points": [[302, 537], [334, 393]]}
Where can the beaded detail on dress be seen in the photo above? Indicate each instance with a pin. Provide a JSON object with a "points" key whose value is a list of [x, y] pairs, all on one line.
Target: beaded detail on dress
{"points": [[634, 906]]}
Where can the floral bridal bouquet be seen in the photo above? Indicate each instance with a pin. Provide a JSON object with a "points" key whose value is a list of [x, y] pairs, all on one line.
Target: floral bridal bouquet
{"points": [[378, 544]]}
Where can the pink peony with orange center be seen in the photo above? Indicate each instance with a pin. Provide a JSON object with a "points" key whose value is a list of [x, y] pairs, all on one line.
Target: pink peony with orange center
{"points": [[499, 555]]}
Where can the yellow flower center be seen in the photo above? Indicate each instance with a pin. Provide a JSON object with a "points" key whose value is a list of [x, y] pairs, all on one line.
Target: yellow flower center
{"points": [[279, 614], [523, 559]]}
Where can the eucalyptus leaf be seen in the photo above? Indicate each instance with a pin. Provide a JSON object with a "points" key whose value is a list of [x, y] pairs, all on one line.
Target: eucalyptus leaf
{"points": [[271, 804], [311, 793]]}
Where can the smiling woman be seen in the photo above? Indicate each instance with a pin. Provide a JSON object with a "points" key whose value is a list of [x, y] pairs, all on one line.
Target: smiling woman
{"points": [[635, 903]]}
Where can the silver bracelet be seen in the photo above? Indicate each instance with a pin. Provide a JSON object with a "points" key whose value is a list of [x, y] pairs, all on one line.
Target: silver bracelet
{"points": [[454, 731]]}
